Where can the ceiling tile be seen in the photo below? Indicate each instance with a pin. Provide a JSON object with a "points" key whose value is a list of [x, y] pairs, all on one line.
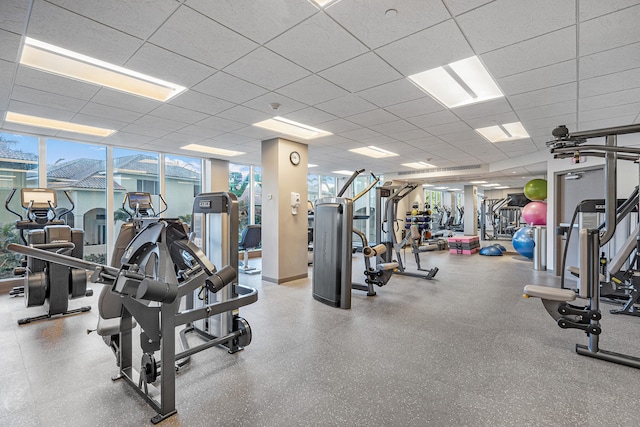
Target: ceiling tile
{"points": [[310, 116], [256, 133], [609, 100], [148, 131], [360, 134], [417, 107], [490, 120], [274, 16], [615, 82], [539, 78], [200, 131], [262, 103], [411, 135], [338, 126], [39, 110], [230, 88], [448, 128], [590, 9], [506, 22], [159, 123], [538, 52], [372, 117], [99, 110], [244, 115], [368, 21], [47, 82], [317, 43], [433, 47], [6, 75], [9, 45], [219, 123], [550, 110], [627, 110], [433, 119], [125, 139], [13, 15], [610, 31], [197, 101], [114, 98], [186, 32], [266, 69], [55, 25], [140, 19], [401, 90], [166, 65], [393, 127], [99, 121], [610, 61], [346, 106], [361, 73], [179, 114], [458, 7], [312, 90], [545, 96], [38, 97]]}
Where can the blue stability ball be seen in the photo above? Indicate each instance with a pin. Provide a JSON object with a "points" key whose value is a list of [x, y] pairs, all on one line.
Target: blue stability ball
{"points": [[499, 246], [491, 251], [523, 242]]}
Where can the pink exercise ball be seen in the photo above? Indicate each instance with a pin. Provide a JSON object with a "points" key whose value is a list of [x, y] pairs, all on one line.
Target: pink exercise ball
{"points": [[535, 213]]}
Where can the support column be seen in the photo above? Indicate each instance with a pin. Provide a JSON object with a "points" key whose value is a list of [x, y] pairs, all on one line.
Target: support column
{"points": [[284, 234], [216, 175], [470, 210]]}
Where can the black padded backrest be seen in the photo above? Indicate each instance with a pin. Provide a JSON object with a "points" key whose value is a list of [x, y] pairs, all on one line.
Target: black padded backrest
{"points": [[251, 237]]}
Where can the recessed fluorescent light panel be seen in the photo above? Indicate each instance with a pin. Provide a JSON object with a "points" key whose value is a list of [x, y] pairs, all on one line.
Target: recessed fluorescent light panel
{"points": [[324, 3], [505, 132], [454, 189], [491, 185], [312, 165], [343, 172], [56, 60], [440, 188], [478, 182], [503, 187], [459, 83], [372, 151], [418, 165], [427, 185], [289, 127], [211, 150], [41, 122]]}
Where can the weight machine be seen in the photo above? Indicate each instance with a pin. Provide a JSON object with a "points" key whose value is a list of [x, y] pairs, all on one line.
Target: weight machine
{"points": [[393, 194], [48, 284], [160, 267], [556, 301]]}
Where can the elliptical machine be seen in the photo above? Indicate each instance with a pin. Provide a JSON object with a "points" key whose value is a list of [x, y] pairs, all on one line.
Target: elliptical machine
{"points": [[46, 283]]}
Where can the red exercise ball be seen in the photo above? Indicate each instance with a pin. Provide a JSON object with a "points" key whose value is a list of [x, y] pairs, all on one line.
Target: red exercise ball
{"points": [[535, 213]]}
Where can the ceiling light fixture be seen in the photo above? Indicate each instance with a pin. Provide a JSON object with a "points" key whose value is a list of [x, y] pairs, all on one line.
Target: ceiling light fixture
{"points": [[505, 132], [491, 185], [440, 188], [343, 172], [478, 182], [502, 187], [63, 62], [454, 189], [323, 4], [41, 122], [418, 165], [459, 83], [373, 151], [289, 127], [311, 165], [211, 150]]}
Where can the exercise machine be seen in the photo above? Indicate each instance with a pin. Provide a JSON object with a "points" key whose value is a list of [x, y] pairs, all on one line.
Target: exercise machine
{"points": [[160, 267], [557, 301], [390, 195], [333, 250], [48, 284]]}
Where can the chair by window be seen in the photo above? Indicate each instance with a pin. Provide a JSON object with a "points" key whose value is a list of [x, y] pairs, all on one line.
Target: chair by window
{"points": [[250, 240]]}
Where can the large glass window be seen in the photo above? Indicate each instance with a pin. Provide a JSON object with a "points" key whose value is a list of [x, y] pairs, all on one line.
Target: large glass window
{"points": [[79, 170], [313, 188], [183, 181], [134, 171], [328, 186], [257, 194], [18, 169], [240, 185]]}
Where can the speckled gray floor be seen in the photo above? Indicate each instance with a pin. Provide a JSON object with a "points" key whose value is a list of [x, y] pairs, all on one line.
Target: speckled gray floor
{"points": [[464, 349]]}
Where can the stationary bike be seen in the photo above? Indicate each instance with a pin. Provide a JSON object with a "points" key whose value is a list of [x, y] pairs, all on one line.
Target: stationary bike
{"points": [[46, 283]]}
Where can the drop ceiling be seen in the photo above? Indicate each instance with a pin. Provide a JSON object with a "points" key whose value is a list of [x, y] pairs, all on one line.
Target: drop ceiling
{"points": [[342, 69]]}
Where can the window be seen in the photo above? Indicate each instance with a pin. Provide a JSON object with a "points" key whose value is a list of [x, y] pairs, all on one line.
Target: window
{"points": [[328, 186], [18, 169], [80, 171], [183, 181], [312, 187], [257, 194], [240, 185]]}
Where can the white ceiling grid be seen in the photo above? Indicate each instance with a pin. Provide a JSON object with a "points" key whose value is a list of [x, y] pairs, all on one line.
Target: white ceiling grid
{"points": [[342, 69]]}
